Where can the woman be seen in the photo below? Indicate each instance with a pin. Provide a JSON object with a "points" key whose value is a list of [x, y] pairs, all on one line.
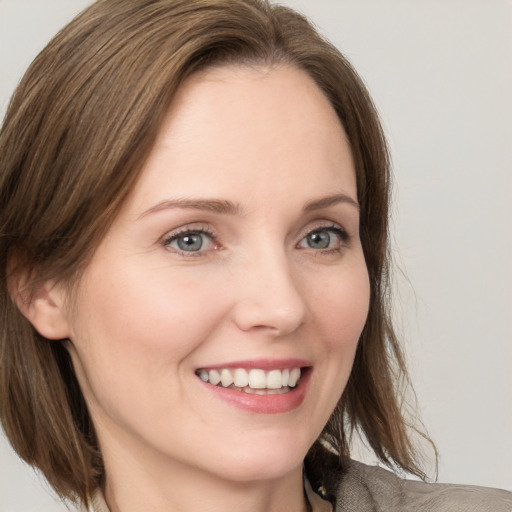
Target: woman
{"points": [[194, 239]]}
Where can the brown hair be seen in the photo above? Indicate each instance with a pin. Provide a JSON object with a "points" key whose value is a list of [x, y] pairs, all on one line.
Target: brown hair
{"points": [[77, 132]]}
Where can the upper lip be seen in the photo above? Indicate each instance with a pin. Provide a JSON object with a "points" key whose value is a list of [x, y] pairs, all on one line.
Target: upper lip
{"points": [[263, 364]]}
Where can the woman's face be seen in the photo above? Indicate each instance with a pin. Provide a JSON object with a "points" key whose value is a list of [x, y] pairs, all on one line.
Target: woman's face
{"points": [[237, 256]]}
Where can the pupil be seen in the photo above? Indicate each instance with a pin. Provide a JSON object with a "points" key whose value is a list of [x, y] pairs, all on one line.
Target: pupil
{"points": [[319, 240], [190, 242]]}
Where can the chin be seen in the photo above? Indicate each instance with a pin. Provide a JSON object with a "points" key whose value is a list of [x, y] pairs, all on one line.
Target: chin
{"points": [[253, 472], [273, 461]]}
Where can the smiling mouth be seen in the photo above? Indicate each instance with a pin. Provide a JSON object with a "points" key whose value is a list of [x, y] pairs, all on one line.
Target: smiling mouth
{"points": [[254, 381]]}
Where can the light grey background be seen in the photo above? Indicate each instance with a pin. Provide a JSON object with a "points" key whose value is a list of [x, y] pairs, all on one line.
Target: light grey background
{"points": [[440, 72]]}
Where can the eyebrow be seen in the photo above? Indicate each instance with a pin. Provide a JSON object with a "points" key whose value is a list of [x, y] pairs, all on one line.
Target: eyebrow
{"points": [[226, 207], [325, 202], [222, 206]]}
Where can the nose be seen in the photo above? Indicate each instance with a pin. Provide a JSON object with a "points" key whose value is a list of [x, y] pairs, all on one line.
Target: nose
{"points": [[269, 296]]}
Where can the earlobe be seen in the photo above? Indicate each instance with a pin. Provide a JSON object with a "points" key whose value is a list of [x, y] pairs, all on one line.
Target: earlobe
{"points": [[42, 304]]}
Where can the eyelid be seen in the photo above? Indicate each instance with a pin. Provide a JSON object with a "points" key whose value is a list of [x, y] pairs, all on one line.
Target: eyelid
{"points": [[325, 225], [190, 227]]}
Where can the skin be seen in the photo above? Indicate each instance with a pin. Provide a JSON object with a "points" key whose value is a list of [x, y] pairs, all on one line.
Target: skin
{"points": [[147, 315]]}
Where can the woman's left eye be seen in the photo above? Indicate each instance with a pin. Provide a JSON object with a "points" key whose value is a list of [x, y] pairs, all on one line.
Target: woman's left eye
{"points": [[321, 239], [191, 241]]}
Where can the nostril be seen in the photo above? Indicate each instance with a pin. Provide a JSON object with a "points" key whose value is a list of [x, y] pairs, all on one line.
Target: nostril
{"points": [[271, 316]]}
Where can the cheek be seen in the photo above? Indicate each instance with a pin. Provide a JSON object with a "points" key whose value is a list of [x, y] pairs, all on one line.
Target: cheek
{"points": [[144, 321], [342, 308], [136, 331]]}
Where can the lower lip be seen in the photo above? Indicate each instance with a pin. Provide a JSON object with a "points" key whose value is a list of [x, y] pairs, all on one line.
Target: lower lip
{"points": [[263, 404]]}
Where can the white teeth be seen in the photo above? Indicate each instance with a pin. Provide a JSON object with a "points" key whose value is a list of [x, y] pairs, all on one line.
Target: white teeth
{"points": [[279, 391], [294, 377], [257, 379], [274, 379], [226, 378], [241, 378], [214, 377], [254, 380]]}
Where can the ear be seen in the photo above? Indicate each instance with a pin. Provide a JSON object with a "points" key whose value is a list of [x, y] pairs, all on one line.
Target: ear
{"points": [[42, 303]]}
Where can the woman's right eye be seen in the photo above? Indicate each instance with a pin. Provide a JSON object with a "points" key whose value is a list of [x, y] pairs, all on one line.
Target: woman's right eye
{"points": [[191, 241]]}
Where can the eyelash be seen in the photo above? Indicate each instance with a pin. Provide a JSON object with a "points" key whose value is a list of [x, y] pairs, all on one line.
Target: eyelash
{"points": [[333, 228], [174, 236]]}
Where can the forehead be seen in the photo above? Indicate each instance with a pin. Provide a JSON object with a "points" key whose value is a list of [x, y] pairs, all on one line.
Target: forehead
{"points": [[237, 126]]}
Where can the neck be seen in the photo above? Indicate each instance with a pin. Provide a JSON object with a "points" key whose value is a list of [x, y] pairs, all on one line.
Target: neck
{"points": [[137, 484]]}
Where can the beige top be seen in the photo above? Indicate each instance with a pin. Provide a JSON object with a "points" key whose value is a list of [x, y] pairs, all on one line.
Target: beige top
{"points": [[317, 503], [356, 487]]}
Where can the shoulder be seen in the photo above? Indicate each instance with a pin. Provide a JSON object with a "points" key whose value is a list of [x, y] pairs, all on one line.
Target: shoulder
{"points": [[356, 486], [378, 489]]}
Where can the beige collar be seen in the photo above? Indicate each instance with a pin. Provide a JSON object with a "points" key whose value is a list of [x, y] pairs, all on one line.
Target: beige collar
{"points": [[97, 503]]}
